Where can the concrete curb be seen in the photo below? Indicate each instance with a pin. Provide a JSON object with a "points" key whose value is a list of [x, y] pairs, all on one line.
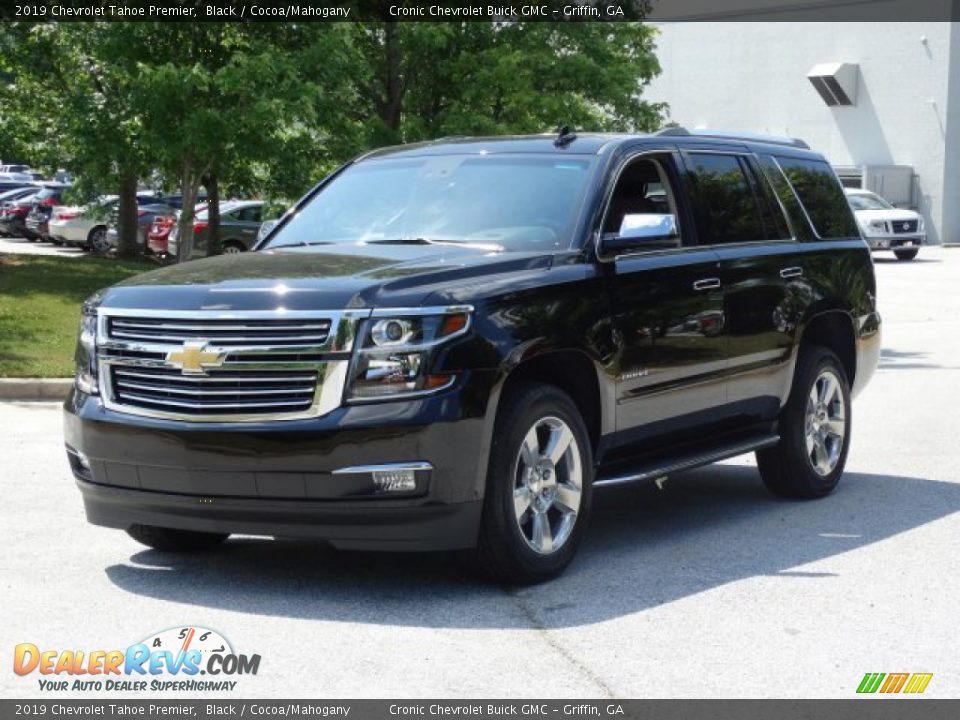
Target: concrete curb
{"points": [[35, 388]]}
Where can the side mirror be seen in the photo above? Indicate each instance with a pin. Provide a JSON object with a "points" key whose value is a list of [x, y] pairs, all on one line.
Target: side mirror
{"points": [[647, 231]]}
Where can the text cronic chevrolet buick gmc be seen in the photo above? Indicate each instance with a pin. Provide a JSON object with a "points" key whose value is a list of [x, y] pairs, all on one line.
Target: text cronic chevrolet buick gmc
{"points": [[451, 345]]}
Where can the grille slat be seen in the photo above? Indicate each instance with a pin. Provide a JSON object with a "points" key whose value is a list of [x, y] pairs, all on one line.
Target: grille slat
{"points": [[124, 385], [210, 406], [175, 376]]}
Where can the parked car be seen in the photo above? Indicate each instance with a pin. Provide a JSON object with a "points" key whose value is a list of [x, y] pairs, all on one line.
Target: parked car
{"points": [[8, 196], [451, 345], [13, 216], [886, 227], [149, 208], [83, 225], [240, 222], [38, 218], [158, 233], [176, 200], [9, 183]]}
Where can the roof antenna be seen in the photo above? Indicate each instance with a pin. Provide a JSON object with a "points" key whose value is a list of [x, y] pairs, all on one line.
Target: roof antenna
{"points": [[565, 136]]}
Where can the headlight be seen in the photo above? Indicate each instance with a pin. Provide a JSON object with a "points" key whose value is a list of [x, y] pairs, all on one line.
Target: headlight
{"points": [[86, 355], [394, 353], [878, 226]]}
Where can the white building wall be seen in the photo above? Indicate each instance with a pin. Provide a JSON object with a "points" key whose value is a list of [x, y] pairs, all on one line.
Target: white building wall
{"points": [[752, 76]]}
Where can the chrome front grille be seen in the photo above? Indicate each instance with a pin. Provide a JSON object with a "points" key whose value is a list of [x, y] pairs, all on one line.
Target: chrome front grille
{"points": [[226, 367]]}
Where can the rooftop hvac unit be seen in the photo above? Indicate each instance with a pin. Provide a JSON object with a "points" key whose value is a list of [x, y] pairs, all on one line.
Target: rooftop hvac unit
{"points": [[836, 83]]}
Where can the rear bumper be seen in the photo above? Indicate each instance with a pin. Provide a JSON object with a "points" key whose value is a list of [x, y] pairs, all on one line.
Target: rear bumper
{"points": [[70, 232], [280, 479], [868, 350]]}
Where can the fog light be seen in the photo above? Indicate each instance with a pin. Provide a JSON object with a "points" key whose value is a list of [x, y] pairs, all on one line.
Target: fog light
{"points": [[394, 480], [83, 460]]}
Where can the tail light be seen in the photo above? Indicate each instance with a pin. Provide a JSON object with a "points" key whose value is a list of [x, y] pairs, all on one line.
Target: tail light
{"points": [[49, 201], [200, 226], [66, 215]]}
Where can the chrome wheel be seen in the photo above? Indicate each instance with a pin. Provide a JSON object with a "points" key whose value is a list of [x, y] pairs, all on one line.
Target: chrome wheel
{"points": [[825, 425], [548, 483], [232, 250]]}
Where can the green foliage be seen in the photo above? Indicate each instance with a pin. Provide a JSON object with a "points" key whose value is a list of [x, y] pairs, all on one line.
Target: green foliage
{"points": [[269, 108]]}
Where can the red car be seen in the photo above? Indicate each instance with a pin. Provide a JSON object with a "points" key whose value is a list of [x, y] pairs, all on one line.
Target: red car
{"points": [[159, 233]]}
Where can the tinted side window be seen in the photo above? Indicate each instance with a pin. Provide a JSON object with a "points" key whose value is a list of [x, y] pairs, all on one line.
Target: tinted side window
{"points": [[822, 195], [727, 209]]}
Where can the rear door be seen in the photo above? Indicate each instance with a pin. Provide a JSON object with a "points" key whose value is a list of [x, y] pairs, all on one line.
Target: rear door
{"points": [[740, 219], [247, 224]]}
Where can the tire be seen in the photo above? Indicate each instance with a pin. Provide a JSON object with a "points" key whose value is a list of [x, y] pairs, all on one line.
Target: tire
{"points": [[906, 254], [171, 540], [97, 240], [814, 436], [529, 530], [231, 247]]}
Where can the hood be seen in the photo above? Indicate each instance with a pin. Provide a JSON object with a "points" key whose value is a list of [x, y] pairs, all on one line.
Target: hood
{"points": [[316, 278], [894, 214]]}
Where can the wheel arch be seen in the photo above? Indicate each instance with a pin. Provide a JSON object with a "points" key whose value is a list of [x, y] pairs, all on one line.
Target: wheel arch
{"points": [[833, 329]]}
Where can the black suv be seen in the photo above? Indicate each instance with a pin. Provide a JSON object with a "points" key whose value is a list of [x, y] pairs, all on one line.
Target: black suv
{"points": [[452, 345]]}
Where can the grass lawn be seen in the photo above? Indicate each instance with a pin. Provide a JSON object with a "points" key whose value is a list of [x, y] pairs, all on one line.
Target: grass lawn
{"points": [[40, 298]]}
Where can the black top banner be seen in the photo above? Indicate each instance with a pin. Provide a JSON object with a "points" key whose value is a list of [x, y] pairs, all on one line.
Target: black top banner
{"points": [[502, 11]]}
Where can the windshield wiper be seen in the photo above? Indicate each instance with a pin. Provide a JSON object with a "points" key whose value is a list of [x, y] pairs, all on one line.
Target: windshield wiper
{"points": [[300, 244], [428, 241]]}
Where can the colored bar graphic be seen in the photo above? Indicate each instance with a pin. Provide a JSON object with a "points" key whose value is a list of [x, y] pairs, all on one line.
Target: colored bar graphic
{"points": [[918, 683], [870, 682], [894, 683]]}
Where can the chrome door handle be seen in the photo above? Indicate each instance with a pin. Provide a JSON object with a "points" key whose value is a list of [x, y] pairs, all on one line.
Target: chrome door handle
{"points": [[706, 284], [791, 272]]}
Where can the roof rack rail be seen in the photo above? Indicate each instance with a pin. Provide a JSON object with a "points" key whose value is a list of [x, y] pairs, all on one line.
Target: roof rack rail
{"points": [[679, 131]]}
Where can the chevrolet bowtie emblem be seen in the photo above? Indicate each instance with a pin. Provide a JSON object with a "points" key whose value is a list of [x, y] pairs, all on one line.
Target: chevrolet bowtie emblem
{"points": [[193, 359]]}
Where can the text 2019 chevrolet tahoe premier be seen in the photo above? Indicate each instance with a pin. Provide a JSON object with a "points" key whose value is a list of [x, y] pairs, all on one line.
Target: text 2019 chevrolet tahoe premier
{"points": [[450, 345]]}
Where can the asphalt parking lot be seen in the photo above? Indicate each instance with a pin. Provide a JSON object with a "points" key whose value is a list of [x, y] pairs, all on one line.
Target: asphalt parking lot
{"points": [[708, 588], [22, 246]]}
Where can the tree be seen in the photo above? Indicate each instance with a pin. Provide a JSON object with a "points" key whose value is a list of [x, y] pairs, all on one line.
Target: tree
{"points": [[427, 80], [78, 69]]}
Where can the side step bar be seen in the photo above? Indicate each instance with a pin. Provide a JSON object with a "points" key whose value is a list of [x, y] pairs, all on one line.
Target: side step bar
{"points": [[689, 462]]}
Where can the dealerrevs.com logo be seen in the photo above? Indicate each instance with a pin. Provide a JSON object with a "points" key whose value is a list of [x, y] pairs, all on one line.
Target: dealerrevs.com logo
{"points": [[181, 659]]}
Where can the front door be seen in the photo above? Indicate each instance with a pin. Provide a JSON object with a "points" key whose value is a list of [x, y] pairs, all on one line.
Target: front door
{"points": [[667, 316]]}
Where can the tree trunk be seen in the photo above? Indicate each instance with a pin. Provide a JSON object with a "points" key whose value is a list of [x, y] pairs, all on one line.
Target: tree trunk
{"points": [[395, 82], [128, 246], [189, 185], [212, 184]]}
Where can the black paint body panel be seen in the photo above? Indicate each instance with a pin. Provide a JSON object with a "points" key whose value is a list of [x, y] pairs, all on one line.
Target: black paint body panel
{"points": [[669, 365]]}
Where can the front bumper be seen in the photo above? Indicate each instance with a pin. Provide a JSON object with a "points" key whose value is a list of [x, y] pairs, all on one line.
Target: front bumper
{"points": [[279, 479], [895, 242]]}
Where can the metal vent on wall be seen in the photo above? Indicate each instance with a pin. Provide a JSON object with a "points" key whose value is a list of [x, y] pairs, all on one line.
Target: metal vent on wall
{"points": [[836, 83]]}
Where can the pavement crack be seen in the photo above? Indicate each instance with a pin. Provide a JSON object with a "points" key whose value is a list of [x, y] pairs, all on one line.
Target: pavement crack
{"points": [[530, 614]]}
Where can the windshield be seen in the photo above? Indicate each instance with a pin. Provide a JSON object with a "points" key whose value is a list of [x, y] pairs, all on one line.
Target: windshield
{"points": [[512, 202], [868, 202]]}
